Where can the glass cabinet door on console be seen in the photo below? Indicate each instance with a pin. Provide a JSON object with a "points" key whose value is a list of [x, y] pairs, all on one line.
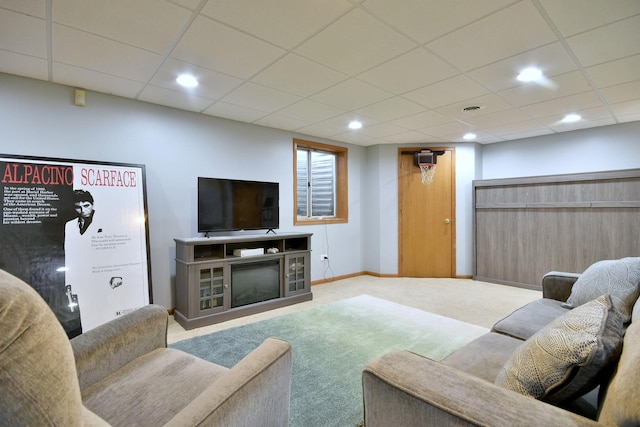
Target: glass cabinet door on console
{"points": [[296, 274], [211, 288]]}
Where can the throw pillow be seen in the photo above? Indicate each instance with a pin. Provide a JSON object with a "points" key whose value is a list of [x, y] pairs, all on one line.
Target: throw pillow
{"points": [[618, 278], [568, 357]]}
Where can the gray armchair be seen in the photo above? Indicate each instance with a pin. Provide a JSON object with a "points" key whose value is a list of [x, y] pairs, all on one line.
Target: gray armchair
{"points": [[122, 373]]}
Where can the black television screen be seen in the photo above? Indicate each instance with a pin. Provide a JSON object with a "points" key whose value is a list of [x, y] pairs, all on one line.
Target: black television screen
{"points": [[230, 204]]}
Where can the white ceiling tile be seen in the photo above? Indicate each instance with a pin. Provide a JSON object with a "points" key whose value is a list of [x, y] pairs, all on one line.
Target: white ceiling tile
{"points": [[552, 60], [453, 128], [234, 112], [481, 138], [148, 24], [587, 114], [95, 80], [566, 127], [211, 84], [607, 43], [341, 123], [518, 127], [352, 137], [260, 98], [422, 120], [285, 23], [576, 16], [381, 130], [626, 108], [24, 65], [553, 88], [488, 104], [358, 95], [319, 131], [625, 118], [412, 137], [77, 48], [528, 134], [622, 93], [171, 98], [355, 43], [392, 108], [498, 36], [562, 106], [446, 92], [207, 43], [410, 71], [35, 8], [498, 118], [22, 34], [615, 72], [427, 20], [189, 4], [280, 122], [310, 111], [298, 75], [319, 64]]}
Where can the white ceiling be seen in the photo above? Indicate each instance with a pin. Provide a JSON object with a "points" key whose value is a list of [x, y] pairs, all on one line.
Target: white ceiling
{"points": [[405, 68]]}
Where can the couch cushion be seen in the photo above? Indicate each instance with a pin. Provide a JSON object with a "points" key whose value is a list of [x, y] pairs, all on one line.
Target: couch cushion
{"points": [[524, 322], [618, 278], [620, 406], [38, 379], [151, 389], [566, 358], [485, 356]]}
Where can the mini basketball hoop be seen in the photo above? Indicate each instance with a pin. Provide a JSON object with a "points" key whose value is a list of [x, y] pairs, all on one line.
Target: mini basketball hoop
{"points": [[426, 160]]}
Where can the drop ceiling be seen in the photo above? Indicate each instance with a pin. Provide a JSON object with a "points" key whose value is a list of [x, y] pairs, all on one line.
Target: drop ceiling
{"points": [[405, 68]]}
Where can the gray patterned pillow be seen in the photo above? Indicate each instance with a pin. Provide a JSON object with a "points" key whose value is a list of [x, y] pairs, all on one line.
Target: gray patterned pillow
{"points": [[618, 278], [569, 356]]}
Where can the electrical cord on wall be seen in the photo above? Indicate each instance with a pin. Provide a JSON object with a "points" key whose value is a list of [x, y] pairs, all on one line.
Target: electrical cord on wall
{"points": [[327, 262]]}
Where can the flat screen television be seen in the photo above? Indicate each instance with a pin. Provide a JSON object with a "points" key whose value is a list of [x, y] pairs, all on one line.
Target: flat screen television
{"points": [[231, 204]]}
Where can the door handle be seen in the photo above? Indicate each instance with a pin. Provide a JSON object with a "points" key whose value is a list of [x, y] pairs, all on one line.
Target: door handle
{"points": [[447, 221]]}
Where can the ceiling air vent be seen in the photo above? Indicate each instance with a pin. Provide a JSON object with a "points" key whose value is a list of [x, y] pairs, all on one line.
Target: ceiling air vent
{"points": [[472, 108]]}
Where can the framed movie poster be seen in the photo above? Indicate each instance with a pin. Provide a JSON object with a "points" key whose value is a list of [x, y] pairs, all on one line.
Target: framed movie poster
{"points": [[77, 232]]}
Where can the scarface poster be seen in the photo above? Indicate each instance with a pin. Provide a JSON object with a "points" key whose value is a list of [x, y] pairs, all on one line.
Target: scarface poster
{"points": [[77, 232]]}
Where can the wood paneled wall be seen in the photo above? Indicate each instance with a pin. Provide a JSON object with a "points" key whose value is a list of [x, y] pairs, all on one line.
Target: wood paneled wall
{"points": [[526, 227]]}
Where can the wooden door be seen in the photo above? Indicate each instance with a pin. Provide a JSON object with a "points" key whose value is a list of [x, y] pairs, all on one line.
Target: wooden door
{"points": [[426, 217]]}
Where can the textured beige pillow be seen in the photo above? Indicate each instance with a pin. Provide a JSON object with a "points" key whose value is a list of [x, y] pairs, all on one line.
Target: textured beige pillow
{"points": [[569, 356], [618, 278]]}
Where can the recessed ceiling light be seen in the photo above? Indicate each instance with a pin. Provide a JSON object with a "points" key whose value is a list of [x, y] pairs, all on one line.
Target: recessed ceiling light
{"points": [[187, 80], [469, 136], [570, 118], [530, 74], [355, 125]]}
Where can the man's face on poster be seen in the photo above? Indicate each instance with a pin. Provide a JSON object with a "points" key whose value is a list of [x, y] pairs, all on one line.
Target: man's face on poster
{"points": [[84, 209]]}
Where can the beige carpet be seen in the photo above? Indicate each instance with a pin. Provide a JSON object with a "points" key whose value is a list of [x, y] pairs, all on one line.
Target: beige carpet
{"points": [[470, 301]]}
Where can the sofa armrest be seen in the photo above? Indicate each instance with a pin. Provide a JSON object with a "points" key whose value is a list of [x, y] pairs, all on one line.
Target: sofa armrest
{"points": [[405, 389], [107, 348], [557, 285], [263, 378]]}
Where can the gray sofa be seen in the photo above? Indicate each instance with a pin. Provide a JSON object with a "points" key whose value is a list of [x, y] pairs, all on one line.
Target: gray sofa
{"points": [[122, 373], [468, 388]]}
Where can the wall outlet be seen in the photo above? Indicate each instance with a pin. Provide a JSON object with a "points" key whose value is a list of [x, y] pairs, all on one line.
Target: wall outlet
{"points": [[324, 257]]}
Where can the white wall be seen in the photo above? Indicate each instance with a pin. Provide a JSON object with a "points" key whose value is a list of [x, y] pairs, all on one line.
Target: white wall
{"points": [[38, 118], [614, 147]]}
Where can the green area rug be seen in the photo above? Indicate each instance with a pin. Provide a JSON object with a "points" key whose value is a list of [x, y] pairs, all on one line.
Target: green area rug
{"points": [[332, 343]]}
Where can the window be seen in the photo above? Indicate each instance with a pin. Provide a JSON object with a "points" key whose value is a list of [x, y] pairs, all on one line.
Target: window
{"points": [[320, 179]]}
